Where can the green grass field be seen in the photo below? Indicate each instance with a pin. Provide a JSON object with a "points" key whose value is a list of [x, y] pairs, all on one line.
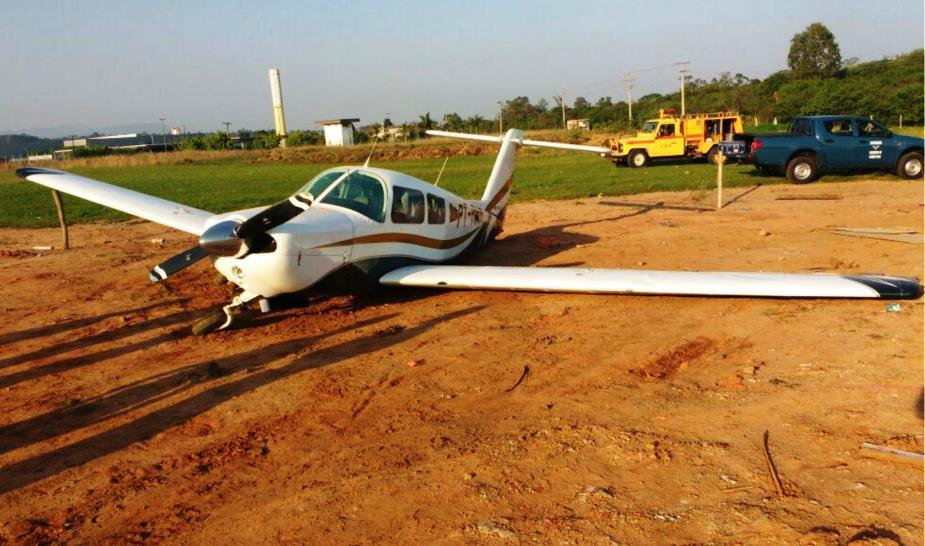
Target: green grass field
{"points": [[230, 184]]}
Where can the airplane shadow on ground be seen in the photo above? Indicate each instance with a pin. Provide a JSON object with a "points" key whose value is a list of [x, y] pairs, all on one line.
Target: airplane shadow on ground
{"points": [[52, 329], [132, 397]]}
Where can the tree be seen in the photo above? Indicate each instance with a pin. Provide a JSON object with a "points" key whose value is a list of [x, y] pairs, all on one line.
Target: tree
{"points": [[814, 53]]}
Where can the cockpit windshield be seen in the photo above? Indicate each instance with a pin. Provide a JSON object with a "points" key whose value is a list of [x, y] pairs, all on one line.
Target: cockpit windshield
{"points": [[317, 185], [649, 126]]}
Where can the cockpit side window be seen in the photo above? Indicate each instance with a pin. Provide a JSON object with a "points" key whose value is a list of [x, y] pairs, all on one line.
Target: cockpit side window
{"points": [[361, 193], [436, 209], [407, 206]]}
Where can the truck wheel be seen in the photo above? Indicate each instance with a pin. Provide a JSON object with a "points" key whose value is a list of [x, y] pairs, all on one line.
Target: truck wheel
{"points": [[910, 166], [802, 169], [637, 158]]}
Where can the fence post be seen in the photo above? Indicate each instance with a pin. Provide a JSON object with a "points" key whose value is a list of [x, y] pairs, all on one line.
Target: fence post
{"points": [[720, 159]]}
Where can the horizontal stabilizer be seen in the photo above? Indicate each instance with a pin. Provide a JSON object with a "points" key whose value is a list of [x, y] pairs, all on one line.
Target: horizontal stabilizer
{"points": [[138, 204], [523, 142], [679, 283]]}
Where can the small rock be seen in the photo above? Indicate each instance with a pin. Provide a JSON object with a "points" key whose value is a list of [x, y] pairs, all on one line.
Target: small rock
{"points": [[858, 486], [764, 233], [414, 363], [158, 241], [489, 528], [640, 263]]}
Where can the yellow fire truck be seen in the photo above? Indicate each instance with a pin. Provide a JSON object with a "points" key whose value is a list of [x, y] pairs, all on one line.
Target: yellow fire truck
{"points": [[673, 136]]}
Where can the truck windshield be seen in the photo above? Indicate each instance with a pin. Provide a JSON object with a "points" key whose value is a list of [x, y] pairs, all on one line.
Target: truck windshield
{"points": [[649, 126]]}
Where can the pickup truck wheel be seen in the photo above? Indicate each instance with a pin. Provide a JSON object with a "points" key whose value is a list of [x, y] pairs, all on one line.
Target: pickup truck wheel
{"points": [[802, 169], [910, 166], [637, 158]]}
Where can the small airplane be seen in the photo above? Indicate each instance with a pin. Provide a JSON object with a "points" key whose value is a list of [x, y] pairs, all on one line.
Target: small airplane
{"points": [[361, 225]]}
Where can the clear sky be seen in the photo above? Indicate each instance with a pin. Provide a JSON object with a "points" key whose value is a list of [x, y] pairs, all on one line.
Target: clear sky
{"points": [[101, 63]]}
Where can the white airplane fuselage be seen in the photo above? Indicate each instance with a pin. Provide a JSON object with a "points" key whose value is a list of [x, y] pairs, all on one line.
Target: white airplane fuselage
{"points": [[328, 239]]}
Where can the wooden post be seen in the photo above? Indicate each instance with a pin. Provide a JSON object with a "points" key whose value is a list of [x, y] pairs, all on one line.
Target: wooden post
{"points": [[720, 159], [900, 121], [61, 219]]}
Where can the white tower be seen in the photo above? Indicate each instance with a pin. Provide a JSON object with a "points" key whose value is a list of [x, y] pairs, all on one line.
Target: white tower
{"points": [[277, 93]]}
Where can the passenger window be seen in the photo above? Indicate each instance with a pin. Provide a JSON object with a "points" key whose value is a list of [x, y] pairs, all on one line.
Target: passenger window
{"points": [[871, 128], [666, 130], [454, 213], [436, 210], [838, 127], [407, 206], [361, 193]]}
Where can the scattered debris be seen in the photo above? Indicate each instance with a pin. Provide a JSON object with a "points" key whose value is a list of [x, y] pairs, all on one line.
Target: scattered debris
{"points": [[809, 197], [519, 381], [772, 470], [43, 247], [875, 448], [594, 491], [897, 235], [764, 233], [489, 528], [158, 241], [548, 242], [415, 362], [894, 308]]}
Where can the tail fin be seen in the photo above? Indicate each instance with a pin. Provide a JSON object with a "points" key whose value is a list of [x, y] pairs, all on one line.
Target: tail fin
{"points": [[501, 179], [502, 175]]}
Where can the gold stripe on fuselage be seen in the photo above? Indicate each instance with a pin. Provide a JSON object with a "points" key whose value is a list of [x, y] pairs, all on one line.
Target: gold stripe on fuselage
{"points": [[407, 238]]}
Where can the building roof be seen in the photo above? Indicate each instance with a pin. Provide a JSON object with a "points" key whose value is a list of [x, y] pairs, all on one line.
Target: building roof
{"points": [[341, 121]]}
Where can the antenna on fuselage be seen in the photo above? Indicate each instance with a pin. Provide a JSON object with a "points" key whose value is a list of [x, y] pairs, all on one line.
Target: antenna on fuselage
{"points": [[437, 182], [373, 149]]}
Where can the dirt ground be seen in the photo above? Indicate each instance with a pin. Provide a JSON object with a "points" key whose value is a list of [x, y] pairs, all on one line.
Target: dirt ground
{"points": [[426, 417]]}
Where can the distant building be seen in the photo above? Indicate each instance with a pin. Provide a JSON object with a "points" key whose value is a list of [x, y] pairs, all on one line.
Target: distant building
{"points": [[338, 132], [578, 124], [119, 142]]}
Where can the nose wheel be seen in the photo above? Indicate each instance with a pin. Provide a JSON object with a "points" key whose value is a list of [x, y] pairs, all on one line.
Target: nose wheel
{"points": [[222, 317]]}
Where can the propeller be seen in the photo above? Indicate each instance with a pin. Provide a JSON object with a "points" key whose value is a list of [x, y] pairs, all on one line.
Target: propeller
{"points": [[237, 239]]}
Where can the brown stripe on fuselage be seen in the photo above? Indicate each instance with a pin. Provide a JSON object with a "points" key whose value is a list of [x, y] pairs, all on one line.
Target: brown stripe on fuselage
{"points": [[407, 238], [501, 193]]}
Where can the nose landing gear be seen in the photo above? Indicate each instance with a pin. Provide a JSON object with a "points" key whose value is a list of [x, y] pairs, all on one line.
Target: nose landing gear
{"points": [[222, 317]]}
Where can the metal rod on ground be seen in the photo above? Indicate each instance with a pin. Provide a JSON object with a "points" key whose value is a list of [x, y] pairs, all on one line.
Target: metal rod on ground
{"points": [[720, 159], [60, 206]]}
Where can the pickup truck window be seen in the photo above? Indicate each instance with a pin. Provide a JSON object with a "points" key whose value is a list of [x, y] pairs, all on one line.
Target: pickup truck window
{"points": [[802, 127], [871, 128], [649, 126], [666, 130], [838, 127]]}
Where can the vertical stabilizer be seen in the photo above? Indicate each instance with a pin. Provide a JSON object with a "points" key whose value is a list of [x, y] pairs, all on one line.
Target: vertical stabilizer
{"points": [[501, 179]]}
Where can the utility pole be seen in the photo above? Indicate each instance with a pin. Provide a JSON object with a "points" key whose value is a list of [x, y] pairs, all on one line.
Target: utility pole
{"points": [[227, 124], [629, 94], [682, 68], [500, 118], [562, 103], [163, 133]]}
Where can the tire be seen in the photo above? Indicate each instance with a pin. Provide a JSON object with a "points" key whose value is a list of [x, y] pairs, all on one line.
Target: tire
{"points": [[713, 155], [909, 166], [209, 322], [802, 169], [637, 158]]}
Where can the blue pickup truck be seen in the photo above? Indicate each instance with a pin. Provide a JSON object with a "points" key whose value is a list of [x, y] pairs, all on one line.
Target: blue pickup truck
{"points": [[818, 143]]}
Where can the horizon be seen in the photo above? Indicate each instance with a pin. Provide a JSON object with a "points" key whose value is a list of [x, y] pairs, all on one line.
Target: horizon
{"points": [[109, 65]]}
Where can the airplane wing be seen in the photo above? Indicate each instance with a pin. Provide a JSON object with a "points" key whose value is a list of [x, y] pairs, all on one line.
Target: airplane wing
{"points": [[138, 204], [678, 283]]}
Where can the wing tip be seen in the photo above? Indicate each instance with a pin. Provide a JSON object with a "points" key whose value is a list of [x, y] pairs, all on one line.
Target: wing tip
{"points": [[891, 288], [26, 172]]}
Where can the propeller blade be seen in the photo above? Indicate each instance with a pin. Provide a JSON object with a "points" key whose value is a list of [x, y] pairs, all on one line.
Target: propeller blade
{"points": [[177, 263], [273, 216]]}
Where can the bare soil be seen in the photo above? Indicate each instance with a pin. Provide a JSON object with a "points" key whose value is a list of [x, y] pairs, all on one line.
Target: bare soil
{"points": [[426, 417]]}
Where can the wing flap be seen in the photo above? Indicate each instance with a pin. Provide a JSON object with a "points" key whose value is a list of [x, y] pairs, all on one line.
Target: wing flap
{"points": [[145, 206], [628, 281]]}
